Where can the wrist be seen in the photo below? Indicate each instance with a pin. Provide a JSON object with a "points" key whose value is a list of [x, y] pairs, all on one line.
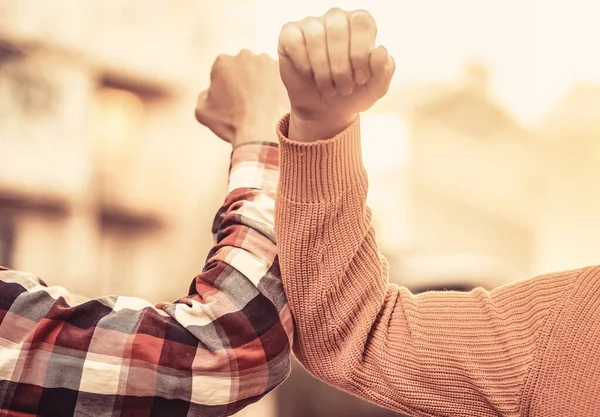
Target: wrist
{"points": [[259, 125], [259, 143], [252, 133], [312, 129]]}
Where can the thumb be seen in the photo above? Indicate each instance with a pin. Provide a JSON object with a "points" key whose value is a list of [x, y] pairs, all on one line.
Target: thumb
{"points": [[206, 111], [208, 117], [383, 67], [202, 106]]}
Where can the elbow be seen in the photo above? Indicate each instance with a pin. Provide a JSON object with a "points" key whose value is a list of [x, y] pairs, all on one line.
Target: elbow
{"points": [[328, 362], [270, 368], [259, 367], [277, 349], [280, 369]]}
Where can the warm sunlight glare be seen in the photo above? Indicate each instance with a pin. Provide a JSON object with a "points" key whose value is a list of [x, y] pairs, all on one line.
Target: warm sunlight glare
{"points": [[534, 49], [385, 142], [121, 114]]}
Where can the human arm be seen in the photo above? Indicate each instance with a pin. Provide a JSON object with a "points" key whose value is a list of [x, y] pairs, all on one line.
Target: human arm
{"points": [[434, 354], [210, 353], [222, 347]]}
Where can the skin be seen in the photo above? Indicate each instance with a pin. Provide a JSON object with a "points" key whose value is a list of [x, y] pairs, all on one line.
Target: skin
{"points": [[332, 71], [245, 100]]}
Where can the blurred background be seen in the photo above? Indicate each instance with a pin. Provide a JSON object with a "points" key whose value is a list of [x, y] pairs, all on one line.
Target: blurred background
{"points": [[484, 157]]}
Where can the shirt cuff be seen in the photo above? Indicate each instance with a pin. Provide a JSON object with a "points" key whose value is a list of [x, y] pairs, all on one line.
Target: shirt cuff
{"points": [[320, 171], [254, 165]]}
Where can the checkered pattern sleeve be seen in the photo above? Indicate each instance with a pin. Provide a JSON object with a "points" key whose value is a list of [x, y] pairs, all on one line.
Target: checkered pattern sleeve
{"points": [[214, 351]]}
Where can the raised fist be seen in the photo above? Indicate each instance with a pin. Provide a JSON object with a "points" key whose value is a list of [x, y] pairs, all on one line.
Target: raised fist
{"points": [[245, 98], [331, 67]]}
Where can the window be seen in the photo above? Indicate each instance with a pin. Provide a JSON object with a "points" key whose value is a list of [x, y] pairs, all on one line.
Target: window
{"points": [[120, 122], [31, 96]]}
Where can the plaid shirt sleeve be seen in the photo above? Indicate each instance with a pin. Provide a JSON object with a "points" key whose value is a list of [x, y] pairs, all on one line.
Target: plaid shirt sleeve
{"points": [[221, 347]]}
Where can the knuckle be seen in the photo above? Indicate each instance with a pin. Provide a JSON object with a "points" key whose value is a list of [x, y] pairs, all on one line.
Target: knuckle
{"points": [[216, 66], [290, 34], [335, 11], [363, 18], [337, 26], [313, 26], [220, 61], [284, 33], [285, 29], [309, 20], [362, 15], [267, 60]]}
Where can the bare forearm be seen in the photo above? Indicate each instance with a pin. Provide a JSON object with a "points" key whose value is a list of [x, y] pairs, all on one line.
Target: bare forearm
{"points": [[305, 129]]}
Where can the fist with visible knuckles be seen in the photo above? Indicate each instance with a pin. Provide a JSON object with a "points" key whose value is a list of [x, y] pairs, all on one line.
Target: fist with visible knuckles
{"points": [[332, 71], [245, 99]]}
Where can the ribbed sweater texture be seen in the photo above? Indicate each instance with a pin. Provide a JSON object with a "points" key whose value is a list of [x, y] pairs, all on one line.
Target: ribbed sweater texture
{"points": [[530, 348]]}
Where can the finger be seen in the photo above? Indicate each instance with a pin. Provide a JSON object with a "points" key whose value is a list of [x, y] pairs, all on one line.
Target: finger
{"points": [[382, 63], [363, 32], [383, 67], [205, 112], [315, 39], [245, 53], [203, 96], [338, 45], [293, 47], [214, 70], [201, 105]]}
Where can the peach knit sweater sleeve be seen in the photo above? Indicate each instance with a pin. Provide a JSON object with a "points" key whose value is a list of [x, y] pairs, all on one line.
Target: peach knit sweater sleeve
{"points": [[531, 348]]}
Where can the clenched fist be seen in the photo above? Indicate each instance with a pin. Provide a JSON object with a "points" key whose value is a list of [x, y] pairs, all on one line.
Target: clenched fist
{"points": [[245, 98], [332, 71]]}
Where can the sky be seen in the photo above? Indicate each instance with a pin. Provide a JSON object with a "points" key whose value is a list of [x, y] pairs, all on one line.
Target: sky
{"points": [[534, 49]]}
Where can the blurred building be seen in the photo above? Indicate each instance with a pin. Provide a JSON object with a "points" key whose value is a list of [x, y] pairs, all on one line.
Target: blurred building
{"points": [[568, 146], [447, 215], [468, 197], [464, 188], [107, 183]]}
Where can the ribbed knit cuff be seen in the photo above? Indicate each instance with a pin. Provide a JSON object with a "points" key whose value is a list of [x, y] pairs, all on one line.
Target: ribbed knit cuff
{"points": [[319, 171]]}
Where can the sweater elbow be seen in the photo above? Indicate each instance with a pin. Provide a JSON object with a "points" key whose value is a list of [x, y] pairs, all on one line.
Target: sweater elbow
{"points": [[326, 363]]}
